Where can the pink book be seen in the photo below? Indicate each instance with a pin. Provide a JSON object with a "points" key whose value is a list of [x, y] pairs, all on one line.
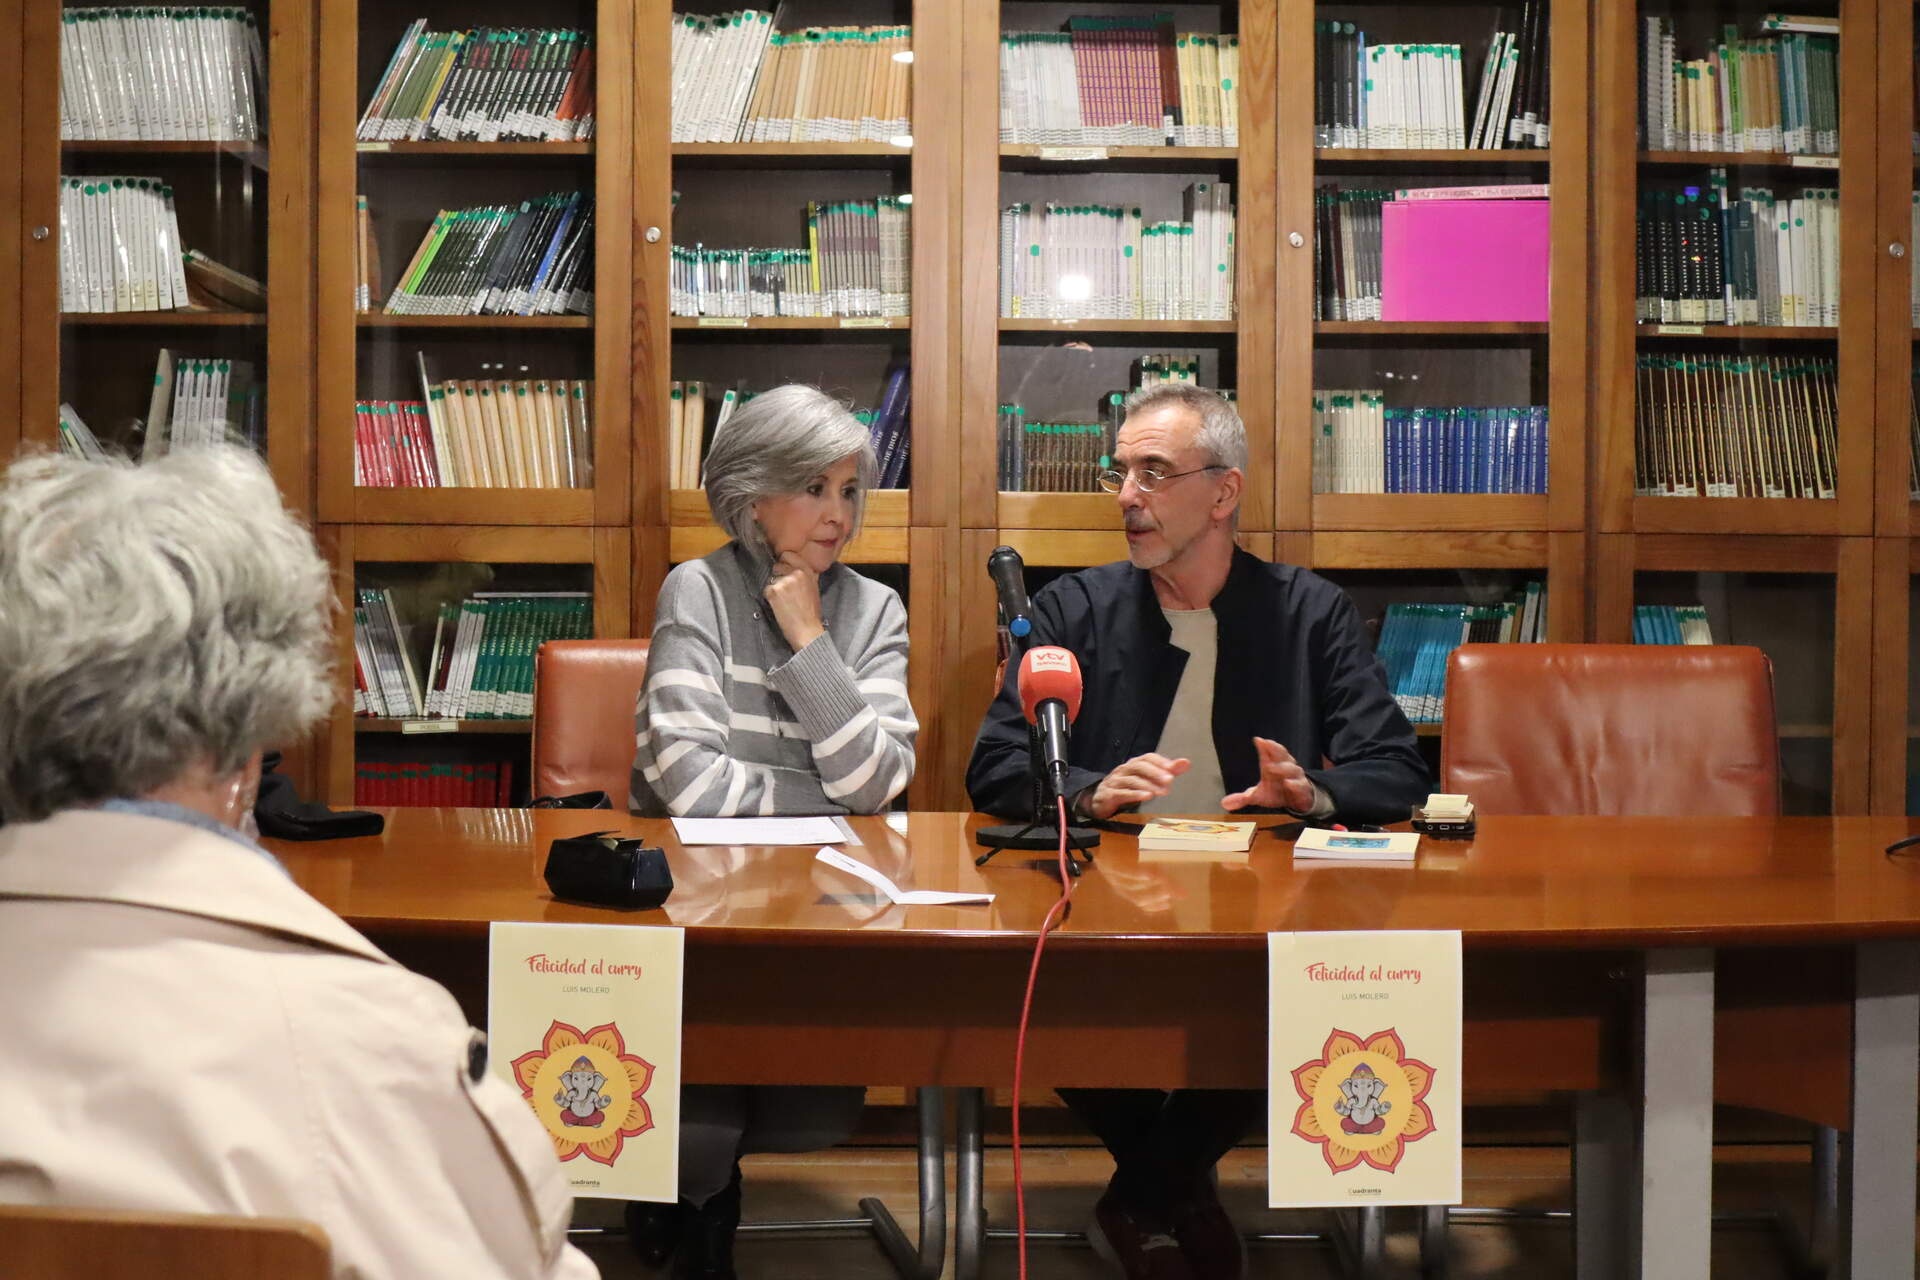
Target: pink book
{"points": [[1464, 260]]}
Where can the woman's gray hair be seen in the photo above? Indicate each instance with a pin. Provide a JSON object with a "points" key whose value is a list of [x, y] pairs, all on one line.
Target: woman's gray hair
{"points": [[1222, 436], [152, 618], [775, 445]]}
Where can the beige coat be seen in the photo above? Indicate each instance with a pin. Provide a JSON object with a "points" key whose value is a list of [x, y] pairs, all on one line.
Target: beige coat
{"points": [[183, 1028]]}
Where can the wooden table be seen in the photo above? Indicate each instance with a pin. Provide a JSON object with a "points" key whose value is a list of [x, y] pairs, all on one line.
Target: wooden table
{"points": [[1584, 939]]}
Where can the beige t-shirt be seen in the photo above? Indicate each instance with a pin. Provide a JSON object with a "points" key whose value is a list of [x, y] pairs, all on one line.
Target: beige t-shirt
{"points": [[1189, 728]]}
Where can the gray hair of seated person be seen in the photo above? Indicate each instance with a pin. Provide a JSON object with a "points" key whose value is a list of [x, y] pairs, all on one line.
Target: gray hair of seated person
{"points": [[153, 620], [776, 445], [1222, 436]]}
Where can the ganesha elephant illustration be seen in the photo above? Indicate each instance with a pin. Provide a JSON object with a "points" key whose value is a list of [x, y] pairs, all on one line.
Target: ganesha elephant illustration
{"points": [[1361, 1107], [580, 1101]]}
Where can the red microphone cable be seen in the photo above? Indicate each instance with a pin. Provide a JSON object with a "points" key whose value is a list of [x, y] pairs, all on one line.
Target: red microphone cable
{"points": [[1047, 926]]}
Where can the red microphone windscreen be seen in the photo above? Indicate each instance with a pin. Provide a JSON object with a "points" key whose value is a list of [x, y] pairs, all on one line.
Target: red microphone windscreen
{"points": [[1049, 672]]}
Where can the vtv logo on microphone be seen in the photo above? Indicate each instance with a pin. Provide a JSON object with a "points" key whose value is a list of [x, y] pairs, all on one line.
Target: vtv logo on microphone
{"points": [[1050, 658]]}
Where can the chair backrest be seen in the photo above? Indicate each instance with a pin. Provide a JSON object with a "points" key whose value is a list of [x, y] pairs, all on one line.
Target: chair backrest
{"points": [[109, 1244], [1657, 730], [584, 692]]}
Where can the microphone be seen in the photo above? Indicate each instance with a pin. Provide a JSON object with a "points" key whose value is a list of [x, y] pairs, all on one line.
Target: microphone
{"points": [[1008, 572], [1050, 696]]}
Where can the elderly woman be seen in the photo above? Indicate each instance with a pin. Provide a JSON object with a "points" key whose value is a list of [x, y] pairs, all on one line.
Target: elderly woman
{"points": [[776, 685], [183, 1029]]}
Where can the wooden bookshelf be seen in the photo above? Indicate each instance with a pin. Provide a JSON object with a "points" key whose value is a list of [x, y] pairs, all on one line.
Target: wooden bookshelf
{"points": [[795, 155], [231, 204], [1012, 324], [379, 320], [1426, 159], [571, 537], [851, 325], [428, 727], [1739, 332], [165, 319], [1740, 160], [516, 151], [1590, 536]]}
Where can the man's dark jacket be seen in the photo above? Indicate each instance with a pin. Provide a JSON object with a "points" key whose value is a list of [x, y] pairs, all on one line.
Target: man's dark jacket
{"points": [[1294, 665]]}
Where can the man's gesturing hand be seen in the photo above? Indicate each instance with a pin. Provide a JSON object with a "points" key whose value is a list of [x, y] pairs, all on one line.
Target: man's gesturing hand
{"points": [[1140, 779], [1283, 783]]}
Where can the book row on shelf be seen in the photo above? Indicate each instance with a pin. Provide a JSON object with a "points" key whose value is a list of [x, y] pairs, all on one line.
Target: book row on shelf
{"points": [[1717, 426], [195, 400], [1120, 82], [1052, 457], [490, 432], [1773, 90], [1362, 446], [1416, 640], [1413, 96], [1068, 457], [481, 663], [1432, 253], [484, 84], [120, 246], [439, 786], [738, 79], [155, 73], [1671, 624], [691, 429], [1703, 258], [535, 258], [1079, 261], [857, 261]]}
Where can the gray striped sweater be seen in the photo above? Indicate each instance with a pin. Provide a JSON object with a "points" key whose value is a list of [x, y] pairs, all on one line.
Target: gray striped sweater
{"points": [[733, 722]]}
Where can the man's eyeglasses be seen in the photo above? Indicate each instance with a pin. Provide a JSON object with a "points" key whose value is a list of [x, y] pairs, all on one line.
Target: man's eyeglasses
{"points": [[1148, 480]]}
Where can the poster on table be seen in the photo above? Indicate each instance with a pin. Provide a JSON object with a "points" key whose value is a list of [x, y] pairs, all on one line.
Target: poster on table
{"points": [[583, 1021], [1364, 1069]]}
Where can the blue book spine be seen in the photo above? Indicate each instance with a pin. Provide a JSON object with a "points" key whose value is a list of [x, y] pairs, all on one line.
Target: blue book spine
{"points": [[1538, 421], [552, 251], [1499, 453], [1391, 434], [1429, 450], [1482, 451], [1462, 452]]}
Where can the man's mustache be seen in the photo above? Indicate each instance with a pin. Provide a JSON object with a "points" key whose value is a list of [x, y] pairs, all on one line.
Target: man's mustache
{"points": [[1139, 522]]}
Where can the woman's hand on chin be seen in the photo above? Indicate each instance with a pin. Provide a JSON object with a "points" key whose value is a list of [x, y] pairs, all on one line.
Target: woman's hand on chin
{"points": [[793, 594]]}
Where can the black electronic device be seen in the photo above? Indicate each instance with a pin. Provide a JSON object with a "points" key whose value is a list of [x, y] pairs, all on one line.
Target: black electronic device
{"points": [[603, 870]]}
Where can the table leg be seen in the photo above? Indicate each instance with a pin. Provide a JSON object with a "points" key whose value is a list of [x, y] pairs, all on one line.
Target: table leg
{"points": [[1603, 1173], [1674, 1215], [970, 1214], [929, 1259], [1879, 1169]]}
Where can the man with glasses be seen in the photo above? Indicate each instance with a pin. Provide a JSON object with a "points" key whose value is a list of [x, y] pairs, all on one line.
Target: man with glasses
{"points": [[1214, 681]]}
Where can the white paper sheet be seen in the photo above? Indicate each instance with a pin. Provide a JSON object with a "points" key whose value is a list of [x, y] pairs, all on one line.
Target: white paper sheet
{"points": [[894, 893], [760, 831]]}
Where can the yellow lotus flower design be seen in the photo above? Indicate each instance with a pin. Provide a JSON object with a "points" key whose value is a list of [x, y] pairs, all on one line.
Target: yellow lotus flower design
{"points": [[1362, 1101], [587, 1090]]}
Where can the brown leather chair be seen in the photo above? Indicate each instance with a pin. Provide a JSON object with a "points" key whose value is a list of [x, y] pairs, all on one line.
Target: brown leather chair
{"points": [[109, 1244], [584, 692], [1654, 730], [1621, 729]]}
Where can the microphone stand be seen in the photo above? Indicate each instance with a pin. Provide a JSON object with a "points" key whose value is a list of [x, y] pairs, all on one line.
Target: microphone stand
{"points": [[1041, 830]]}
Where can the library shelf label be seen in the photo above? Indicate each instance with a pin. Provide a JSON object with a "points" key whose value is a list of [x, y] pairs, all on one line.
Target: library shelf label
{"points": [[1679, 330], [1073, 153], [863, 322], [429, 726], [723, 322], [1815, 162]]}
